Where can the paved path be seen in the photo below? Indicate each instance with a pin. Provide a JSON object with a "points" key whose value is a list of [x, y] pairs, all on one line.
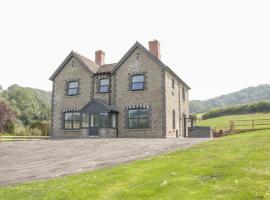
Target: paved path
{"points": [[31, 160]]}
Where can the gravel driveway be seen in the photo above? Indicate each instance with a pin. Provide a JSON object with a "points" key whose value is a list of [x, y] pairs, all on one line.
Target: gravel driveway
{"points": [[31, 160]]}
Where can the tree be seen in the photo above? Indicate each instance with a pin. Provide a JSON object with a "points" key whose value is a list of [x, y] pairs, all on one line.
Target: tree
{"points": [[30, 105], [6, 115]]}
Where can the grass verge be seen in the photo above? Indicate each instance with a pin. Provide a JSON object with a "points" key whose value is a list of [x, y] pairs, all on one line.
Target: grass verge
{"points": [[233, 167], [224, 122]]}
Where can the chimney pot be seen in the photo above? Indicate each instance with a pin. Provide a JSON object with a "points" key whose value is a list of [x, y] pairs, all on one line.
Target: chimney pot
{"points": [[154, 48], [100, 57]]}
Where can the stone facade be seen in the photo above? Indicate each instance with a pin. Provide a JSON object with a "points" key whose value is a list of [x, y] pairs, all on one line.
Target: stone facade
{"points": [[108, 132], [151, 96], [162, 95], [175, 102], [73, 70], [104, 96]]}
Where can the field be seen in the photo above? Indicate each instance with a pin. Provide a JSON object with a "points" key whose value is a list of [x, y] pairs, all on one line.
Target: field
{"points": [[232, 167], [224, 122]]}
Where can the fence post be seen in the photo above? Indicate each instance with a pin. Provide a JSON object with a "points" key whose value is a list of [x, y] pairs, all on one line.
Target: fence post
{"points": [[231, 126]]}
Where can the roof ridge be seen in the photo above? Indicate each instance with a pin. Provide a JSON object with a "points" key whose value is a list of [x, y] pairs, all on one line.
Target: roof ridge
{"points": [[112, 67], [79, 54]]}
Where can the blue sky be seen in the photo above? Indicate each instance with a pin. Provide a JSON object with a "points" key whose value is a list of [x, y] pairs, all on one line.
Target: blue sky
{"points": [[215, 46]]}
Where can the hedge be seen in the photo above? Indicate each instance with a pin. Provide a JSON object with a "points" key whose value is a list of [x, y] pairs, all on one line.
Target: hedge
{"points": [[262, 106]]}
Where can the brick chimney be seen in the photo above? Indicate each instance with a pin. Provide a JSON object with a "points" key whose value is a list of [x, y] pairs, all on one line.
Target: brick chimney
{"points": [[100, 57], [154, 48]]}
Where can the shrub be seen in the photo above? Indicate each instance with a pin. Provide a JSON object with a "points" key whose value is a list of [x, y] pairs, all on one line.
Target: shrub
{"points": [[21, 132], [218, 133], [35, 132], [42, 126], [9, 127], [29, 132]]}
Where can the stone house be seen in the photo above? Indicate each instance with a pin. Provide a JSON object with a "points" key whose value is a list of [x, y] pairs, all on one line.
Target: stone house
{"points": [[137, 97]]}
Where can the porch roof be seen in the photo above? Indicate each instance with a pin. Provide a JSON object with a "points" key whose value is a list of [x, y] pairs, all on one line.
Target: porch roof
{"points": [[98, 106]]}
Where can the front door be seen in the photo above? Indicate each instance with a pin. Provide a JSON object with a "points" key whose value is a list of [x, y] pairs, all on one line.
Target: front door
{"points": [[94, 125]]}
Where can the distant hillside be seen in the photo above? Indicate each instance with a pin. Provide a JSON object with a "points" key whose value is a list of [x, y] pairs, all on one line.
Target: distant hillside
{"points": [[244, 96], [30, 104]]}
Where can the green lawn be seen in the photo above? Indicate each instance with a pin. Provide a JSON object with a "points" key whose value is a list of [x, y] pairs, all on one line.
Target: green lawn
{"points": [[224, 122], [232, 167]]}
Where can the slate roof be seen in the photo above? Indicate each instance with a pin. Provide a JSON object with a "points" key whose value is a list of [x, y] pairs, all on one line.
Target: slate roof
{"points": [[111, 68], [106, 68], [93, 66], [98, 106], [89, 64]]}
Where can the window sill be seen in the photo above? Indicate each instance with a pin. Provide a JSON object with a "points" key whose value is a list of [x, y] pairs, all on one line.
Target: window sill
{"points": [[71, 130], [137, 129], [72, 96], [99, 127], [137, 90], [107, 127]]}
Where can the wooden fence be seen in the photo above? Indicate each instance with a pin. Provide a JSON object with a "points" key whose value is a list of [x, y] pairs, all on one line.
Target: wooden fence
{"points": [[8, 138], [249, 124]]}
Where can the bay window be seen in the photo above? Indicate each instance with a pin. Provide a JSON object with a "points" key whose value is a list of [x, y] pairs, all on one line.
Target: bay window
{"points": [[103, 120], [85, 120]]}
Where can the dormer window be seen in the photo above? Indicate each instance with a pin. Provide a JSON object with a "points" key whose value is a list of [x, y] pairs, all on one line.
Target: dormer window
{"points": [[104, 85], [137, 82], [72, 89]]}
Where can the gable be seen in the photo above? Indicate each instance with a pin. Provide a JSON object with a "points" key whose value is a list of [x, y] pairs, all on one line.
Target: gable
{"points": [[131, 50], [88, 64], [112, 68], [73, 69], [151, 56]]}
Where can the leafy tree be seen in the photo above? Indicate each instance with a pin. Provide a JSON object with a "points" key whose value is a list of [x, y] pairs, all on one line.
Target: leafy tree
{"points": [[6, 115], [29, 104]]}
